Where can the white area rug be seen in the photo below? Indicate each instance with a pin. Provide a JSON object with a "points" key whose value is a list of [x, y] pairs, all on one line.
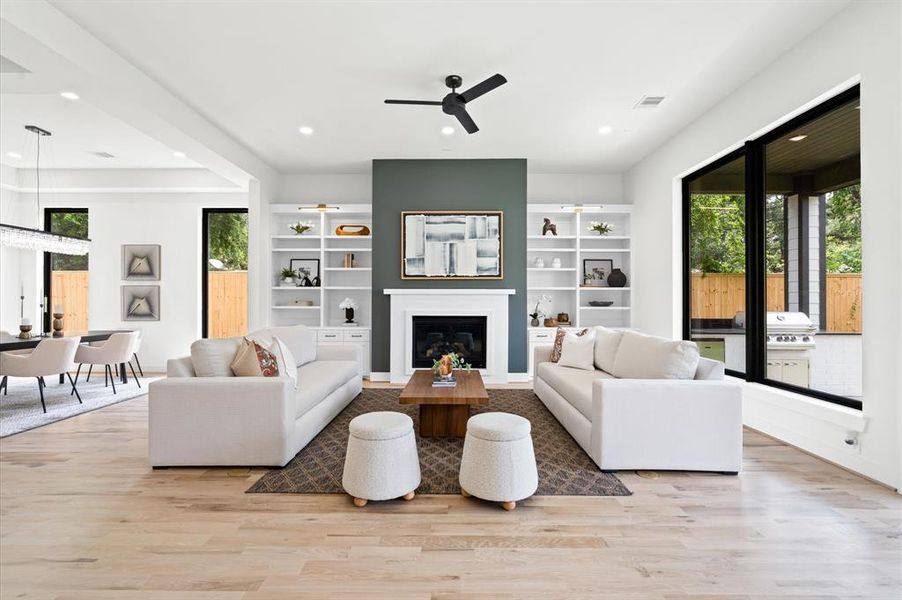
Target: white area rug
{"points": [[20, 409]]}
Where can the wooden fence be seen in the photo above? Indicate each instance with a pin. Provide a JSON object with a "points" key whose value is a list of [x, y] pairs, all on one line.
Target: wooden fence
{"points": [[227, 290], [722, 295]]}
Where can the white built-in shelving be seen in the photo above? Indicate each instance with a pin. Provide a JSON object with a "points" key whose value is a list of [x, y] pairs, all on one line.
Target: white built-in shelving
{"points": [[573, 245]]}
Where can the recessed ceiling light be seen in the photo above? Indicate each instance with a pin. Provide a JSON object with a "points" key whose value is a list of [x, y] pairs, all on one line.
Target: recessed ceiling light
{"points": [[797, 138], [178, 154], [605, 130], [69, 95], [305, 130], [15, 155], [447, 130]]}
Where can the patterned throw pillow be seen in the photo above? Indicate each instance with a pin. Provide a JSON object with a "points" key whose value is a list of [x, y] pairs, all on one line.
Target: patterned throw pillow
{"points": [[253, 360], [559, 342]]}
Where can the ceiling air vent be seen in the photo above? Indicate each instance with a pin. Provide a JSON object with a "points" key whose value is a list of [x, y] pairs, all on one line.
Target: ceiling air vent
{"points": [[649, 102], [103, 155]]}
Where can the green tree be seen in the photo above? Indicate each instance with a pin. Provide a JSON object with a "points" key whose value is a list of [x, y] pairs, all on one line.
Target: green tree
{"points": [[228, 239], [73, 224], [717, 233], [843, 236]]}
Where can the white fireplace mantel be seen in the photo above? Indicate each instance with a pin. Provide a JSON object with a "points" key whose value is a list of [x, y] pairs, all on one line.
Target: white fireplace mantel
{"points": [[492, 303], [445, 292]]}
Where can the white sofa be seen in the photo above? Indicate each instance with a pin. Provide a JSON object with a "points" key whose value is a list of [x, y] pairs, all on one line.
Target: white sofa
{"points": [[223, 420], [656, 424]]}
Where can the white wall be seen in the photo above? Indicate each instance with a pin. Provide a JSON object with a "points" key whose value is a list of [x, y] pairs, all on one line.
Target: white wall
{"points": [[574, 188], [860, 43], [169, 218]]}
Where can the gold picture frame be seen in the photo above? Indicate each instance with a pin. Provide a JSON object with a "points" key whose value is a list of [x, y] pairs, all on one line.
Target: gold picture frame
{"points": [[411, 269]]}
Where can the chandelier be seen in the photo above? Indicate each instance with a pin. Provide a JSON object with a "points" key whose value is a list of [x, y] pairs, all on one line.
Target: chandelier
{"points": [[36, 239]]}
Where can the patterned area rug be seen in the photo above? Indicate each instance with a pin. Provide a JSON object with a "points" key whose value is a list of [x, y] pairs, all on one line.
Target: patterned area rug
{"points": [[564, 469], [20, 408]]}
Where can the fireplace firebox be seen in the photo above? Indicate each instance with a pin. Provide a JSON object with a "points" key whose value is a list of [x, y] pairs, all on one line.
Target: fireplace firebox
{"points": [[435, 336]]}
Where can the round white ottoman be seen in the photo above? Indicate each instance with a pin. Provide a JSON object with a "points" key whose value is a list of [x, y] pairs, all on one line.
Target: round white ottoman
{"points": [[381, 462], [498, 463]]}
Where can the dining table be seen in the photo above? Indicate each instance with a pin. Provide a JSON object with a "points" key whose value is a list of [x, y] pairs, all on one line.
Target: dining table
{"points": [[9, 342]]}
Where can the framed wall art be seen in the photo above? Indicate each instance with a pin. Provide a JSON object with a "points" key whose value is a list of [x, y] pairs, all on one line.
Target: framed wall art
{"points": [[452, 245], [596, 271], [141, 262], [140, 303]]}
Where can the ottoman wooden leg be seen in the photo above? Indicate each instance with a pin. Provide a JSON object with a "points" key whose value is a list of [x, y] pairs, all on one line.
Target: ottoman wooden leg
{"points": [[409, 495], [359, 502], [464, 493], [508, 505]]}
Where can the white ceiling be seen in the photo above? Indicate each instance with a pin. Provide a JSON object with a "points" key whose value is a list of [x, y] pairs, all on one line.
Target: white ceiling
{"points": [[260, 69], [79, 129]]}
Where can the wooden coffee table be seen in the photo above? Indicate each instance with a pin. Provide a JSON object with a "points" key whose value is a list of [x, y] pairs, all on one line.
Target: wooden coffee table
{"points": [[444, 411]]}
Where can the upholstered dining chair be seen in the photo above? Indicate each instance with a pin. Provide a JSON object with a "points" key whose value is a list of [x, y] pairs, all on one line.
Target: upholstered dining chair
{"points": [[49, 357], [117, 349], [138, 347]]}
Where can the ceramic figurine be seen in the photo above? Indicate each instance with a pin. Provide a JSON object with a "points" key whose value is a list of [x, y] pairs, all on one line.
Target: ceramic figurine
{"points": [[540, 264], [549, 226], [555, 263]]}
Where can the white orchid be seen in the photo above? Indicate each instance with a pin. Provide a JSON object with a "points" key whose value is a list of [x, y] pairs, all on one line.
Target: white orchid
{"points": [[348, 303], [301, 227], [600, 227]]}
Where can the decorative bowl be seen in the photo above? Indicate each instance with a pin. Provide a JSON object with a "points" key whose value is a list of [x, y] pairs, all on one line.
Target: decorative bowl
{"points": [[601, 302]]}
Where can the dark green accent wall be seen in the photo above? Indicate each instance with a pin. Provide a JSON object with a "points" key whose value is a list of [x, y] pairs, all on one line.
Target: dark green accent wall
{"points": [[400, 185]]}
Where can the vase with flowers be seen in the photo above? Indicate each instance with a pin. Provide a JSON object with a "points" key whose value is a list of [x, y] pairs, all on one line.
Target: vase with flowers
{"points": [[536, 312], [600, 227], [443, 367], [349, 306], [301, 227]]}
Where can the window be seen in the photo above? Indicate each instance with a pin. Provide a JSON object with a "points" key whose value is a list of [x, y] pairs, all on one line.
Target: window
{"points": [[793, 277], [66, 276], [224, 272]]}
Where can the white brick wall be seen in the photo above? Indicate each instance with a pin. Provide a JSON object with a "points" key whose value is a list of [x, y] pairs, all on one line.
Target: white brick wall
{"points": [[836, 364]]}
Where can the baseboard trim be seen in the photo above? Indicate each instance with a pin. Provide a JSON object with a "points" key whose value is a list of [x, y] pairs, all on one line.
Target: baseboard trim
{"points": [[518, 378], [374, 376]]}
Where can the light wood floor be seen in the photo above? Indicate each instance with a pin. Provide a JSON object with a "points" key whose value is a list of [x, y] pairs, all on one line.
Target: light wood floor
{"points": [[83, 517]]}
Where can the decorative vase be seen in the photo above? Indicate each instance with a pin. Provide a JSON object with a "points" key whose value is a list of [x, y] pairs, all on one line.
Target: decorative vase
{"points": [[24, 332], [349, 315], [540, 264], [555, 263], [57, 324], [616, 278], [563, 319], [445, 366], [534, 322], [288, 281]]}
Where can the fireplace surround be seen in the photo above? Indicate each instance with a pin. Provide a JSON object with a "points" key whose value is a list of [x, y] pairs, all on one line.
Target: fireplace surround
{"points": [[437, 335]]}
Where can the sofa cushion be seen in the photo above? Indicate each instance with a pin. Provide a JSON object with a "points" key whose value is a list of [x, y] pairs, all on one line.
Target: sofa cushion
{"points": [[287, 365], [559, 341], [253, 360], [300, 339], [212, 358], [606, 343], [575, 385], [318, 379], [578, 351], [648, 357]]}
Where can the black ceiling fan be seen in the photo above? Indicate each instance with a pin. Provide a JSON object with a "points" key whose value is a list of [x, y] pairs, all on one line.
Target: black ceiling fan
{"points": [[455, 104]]}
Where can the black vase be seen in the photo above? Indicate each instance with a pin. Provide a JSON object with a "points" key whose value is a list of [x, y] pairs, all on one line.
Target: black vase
{"points": [[616, 278], [349, 315]]}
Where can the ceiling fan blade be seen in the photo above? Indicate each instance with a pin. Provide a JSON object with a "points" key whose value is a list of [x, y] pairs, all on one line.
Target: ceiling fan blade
{"points": [[466, 121], [420, 102], [483, 88]]}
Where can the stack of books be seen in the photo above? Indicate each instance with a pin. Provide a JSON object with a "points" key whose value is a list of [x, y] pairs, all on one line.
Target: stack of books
{"points": [[444, 382]]}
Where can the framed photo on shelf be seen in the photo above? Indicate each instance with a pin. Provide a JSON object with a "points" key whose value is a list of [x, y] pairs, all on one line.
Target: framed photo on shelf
{"points": [[306, 267], [452, 244], [596, 271]]}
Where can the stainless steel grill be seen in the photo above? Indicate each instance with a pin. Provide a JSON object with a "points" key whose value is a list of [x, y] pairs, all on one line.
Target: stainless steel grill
{"points": [[789, 331]]}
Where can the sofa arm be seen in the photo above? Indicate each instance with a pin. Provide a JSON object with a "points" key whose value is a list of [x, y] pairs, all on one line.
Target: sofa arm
{"points": [[180, 367], [541, 354], [196, 421], [667, 424]]}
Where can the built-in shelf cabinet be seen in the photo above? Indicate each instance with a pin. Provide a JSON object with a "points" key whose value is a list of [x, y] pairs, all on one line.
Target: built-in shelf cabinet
{"points": [[337, 281], [574, 244]]}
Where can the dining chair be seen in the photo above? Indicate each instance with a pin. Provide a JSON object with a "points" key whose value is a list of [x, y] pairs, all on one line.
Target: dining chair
{"points": [[49, 357], [138, 347], [116, 350]]}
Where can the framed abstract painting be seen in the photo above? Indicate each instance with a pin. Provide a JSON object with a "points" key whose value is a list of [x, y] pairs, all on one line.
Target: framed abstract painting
{"points": [[452, 245]]}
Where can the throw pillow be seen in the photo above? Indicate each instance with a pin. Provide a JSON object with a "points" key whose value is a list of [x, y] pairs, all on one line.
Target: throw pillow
{"points": [[253, 360], [606, 343], [647, 357], [286, 360], [578, 351], [559, 340], [300, 339]]}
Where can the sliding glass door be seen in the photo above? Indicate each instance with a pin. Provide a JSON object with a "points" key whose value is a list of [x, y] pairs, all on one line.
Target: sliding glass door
{"points": [[224, 272], [66, 276], [773, 255]]}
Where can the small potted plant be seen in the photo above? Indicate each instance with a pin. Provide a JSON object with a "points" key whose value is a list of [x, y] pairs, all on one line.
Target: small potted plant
{"points": [[600, 227], [444, 367], [349, 306], [301, 227], [287, 276], [536, 313]]}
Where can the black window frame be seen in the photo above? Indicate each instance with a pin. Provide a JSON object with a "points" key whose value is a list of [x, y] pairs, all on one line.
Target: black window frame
{"points": [[204, 257], [755, 272], [48, 276]]}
